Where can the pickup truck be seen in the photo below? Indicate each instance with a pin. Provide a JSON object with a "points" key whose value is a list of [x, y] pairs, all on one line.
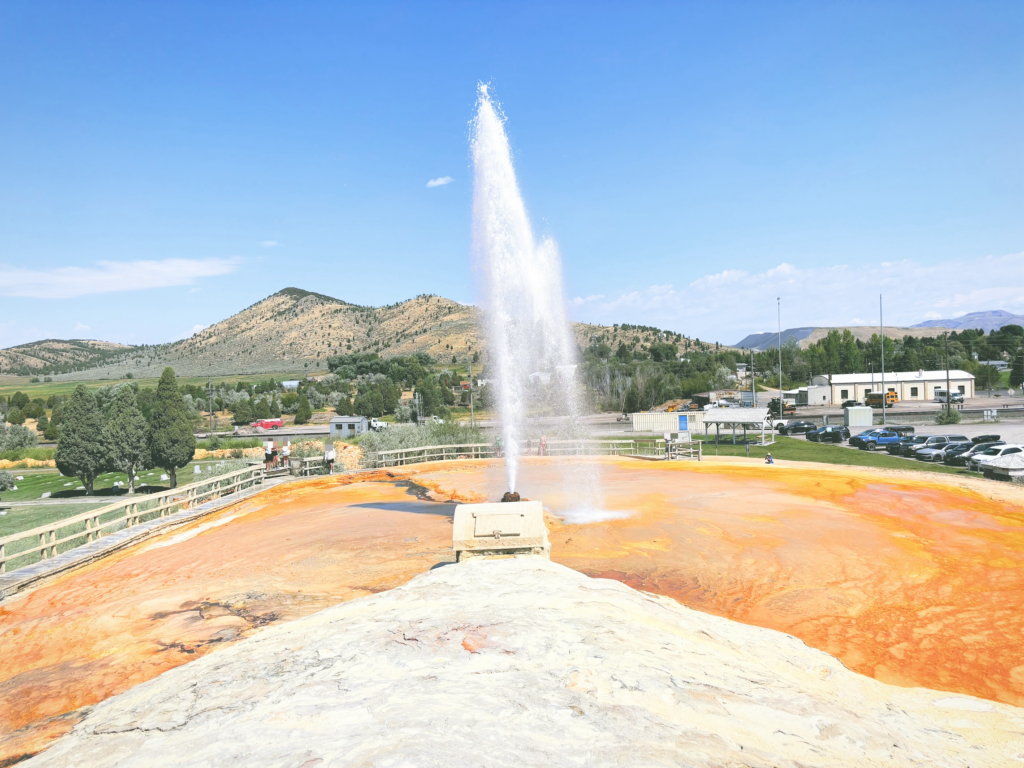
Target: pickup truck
{"points": [[868, 441], [268, 423], [377, 425], [787, 407]]}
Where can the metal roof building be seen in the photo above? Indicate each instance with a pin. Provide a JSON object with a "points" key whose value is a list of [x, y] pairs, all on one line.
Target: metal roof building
{"points": [[908, 385]]}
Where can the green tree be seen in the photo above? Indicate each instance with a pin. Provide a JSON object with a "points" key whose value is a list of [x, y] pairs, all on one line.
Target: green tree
{"points": [[52, 431], [262, 408], [15, 416], [987, 377], [305, 412], [80, 449], [344, 407], [171, 442], [275, 408], [19, 400], [241, 412], [1017, 370], [42, 423], [126, 435]]}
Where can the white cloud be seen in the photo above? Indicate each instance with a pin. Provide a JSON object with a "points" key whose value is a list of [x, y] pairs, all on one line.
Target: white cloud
{"points": [[727, 305], [268, 243], [109, 277], [80, 327], [195, 329], [440, 182]]}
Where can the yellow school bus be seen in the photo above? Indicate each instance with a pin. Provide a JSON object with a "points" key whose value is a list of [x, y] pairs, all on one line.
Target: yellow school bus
{"points": [[874, 399]]}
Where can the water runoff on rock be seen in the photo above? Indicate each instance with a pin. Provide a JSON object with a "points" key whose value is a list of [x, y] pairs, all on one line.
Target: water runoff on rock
{"points": [[533, 355]]}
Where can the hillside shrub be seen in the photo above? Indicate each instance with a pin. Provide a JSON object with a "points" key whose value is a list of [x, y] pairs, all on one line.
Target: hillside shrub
{"points": [[14, 437], [948, 416]]}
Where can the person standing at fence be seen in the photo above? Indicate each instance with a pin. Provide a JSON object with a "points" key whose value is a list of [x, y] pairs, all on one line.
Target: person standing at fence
{"points": [[268, 454], [529, 447], [542, 446], [329, 456], [286, 452]]}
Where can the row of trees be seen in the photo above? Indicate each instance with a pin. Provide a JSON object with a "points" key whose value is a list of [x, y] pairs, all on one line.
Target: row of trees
{"points": [[841, 352], [121, 438]]}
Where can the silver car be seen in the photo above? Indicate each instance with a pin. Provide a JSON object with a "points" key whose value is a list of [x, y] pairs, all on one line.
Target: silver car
{"points": [[978, 460], [938, 452]]}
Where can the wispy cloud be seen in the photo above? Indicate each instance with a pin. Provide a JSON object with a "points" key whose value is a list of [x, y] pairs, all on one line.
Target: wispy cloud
{"points": [[268, 243], [109, 277], [440, 182], [80, 327], [195, 329], [727, 305]]}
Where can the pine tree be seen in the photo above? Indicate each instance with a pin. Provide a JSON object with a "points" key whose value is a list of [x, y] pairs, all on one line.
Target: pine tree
{"points": [[241, 412], [275, 408], [262, 409], [126, 435], [80, 449], [171, 442], [305, 412]]}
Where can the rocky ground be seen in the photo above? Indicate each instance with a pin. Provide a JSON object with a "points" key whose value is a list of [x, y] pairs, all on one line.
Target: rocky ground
{"points": [[523, 662]]}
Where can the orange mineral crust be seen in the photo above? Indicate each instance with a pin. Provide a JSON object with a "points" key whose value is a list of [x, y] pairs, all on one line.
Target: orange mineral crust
{"points": [[281, 555], [904, 576]]}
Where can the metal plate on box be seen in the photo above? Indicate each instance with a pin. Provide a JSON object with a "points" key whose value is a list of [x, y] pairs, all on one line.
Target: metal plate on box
{"points": [[503, 524]]}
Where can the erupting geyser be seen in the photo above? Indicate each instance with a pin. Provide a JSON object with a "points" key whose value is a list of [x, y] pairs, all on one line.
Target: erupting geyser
{"points": [[527, 325]]}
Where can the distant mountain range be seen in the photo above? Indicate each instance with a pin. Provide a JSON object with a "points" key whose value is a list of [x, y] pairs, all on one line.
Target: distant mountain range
{"points": [[988, 321], [291, 331]]}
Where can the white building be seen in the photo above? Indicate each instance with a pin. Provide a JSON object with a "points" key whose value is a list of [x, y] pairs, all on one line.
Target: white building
{"points": [[908, 385]]}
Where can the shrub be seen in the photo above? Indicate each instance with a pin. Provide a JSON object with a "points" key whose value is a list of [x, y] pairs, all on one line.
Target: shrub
{"points": [[948, 416], [14, 437]]}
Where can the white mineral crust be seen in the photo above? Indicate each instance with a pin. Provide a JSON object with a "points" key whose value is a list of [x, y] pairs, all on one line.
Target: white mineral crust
{"points": [[523, 662]]}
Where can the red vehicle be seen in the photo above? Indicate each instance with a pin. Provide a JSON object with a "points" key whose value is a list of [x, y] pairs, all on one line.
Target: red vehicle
{"points": [[268, 423]]}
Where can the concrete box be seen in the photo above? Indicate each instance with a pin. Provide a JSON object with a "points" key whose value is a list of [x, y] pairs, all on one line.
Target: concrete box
{"points": [[858, 416], [508, 528]]}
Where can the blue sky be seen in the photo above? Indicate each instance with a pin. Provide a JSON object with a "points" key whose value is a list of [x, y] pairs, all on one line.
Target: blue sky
{"points": [[163, 165]]}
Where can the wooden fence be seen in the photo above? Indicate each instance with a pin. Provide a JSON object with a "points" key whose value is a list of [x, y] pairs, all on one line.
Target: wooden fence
{"points": [[653, 448], [46, 541]]}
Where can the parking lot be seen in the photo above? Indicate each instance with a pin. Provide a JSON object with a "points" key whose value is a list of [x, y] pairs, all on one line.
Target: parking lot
{"points": [[1011, 433]]}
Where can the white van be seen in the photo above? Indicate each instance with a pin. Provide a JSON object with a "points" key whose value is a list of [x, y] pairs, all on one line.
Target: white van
{"points": [[942, 396]]}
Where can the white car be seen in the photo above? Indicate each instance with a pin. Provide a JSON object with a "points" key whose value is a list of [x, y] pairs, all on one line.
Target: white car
{"points": [[976, 461]]}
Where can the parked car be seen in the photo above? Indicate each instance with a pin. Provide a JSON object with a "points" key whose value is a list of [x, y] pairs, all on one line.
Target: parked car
{"points": [[932, 441], [797, 428], [849, 404], [900, 429], [985, 439], [905, 444], [938, 452], [868, 441], [833, 433], [908, 447], [268, 423], [959, 455], [978, 460]]}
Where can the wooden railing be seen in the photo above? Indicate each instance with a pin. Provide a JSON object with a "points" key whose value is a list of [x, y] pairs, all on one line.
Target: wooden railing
{"points": [[402, 456], [46, 541], [654, 447]]}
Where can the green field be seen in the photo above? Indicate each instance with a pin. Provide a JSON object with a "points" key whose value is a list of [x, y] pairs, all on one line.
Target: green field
{"points": [[793, 449], [11, 384], [37, 483]]}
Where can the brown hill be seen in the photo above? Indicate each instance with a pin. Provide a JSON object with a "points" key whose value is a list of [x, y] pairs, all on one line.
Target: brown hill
{"points": [[296, 330], [52, 355]]}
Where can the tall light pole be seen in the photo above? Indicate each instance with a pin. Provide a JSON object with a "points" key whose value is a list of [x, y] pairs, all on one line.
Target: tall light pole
{"points": [[949, 395], [778, 303], [881, 339]]}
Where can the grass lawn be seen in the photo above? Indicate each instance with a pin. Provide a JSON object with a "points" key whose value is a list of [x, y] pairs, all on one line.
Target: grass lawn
{"points": [[15, 519], [798, 449], [35, 484]]}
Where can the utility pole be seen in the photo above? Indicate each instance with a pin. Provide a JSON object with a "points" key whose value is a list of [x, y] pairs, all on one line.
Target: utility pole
{"points": [[753, 386], [881, 338], [209, 395], [778, 301], [472, 418], [949, 395]]}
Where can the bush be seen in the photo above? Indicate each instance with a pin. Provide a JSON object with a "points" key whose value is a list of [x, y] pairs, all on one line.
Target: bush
{"points": [[948, 416], [14, 437], [20, 454]]}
